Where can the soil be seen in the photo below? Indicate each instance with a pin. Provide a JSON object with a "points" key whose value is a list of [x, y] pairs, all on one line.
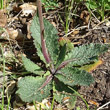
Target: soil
{"points": [[99, 92], [96, 94]]}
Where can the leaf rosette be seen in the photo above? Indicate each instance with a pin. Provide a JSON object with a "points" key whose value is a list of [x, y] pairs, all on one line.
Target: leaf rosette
{"points": [[64, 66]]}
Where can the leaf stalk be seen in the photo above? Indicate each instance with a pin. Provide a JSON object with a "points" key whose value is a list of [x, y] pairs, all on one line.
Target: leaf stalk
{"points": [[44, 49]]}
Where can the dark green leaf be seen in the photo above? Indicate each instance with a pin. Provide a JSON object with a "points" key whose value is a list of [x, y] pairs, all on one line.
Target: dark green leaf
{"points": [[73, 76], [63, 94], [61, 56]]}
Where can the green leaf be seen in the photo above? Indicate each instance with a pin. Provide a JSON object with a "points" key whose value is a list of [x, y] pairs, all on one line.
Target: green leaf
{"points": [[72, 102], [85, 54], [73, 76], [39, 51], [51, 37], [61, 56], [63, 97], [61, 87], [91, 4], [28, 89], [49, 4], [31, 66], [63, 94], [35, 30]]}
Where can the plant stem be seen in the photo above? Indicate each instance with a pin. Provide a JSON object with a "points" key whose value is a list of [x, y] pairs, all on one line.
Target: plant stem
{"points": [[3, 76], [43, 44], [1, 4], [49, 78], [68, 14], [35, 105], [44, 49], [102, 9], [53, 97]]}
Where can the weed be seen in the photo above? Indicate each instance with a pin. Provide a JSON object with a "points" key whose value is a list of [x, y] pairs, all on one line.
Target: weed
{"points": [[1, 4], [99, 6], [3, 105], [70, 11], [63, 66], [50, 4], [80, 97]]}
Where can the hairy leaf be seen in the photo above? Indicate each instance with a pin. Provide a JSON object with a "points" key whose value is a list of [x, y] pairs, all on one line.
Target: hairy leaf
{"points": [[31, 66], [85, 54], [39, 51], [72, 102], [51, 38], [63, 97], [35, 30], [60, 86], [50, 34], [48, 80], [73, 76], [28, 89], [61, 56], [63, 94]]}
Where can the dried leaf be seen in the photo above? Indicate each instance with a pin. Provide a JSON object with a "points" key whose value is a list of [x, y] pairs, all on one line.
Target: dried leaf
{"points": [[92, 67], [3, 18], [11, 88], [85, 16], [75, 32], [14, 34], [28, 9], [93, 103], [28, 30]]}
